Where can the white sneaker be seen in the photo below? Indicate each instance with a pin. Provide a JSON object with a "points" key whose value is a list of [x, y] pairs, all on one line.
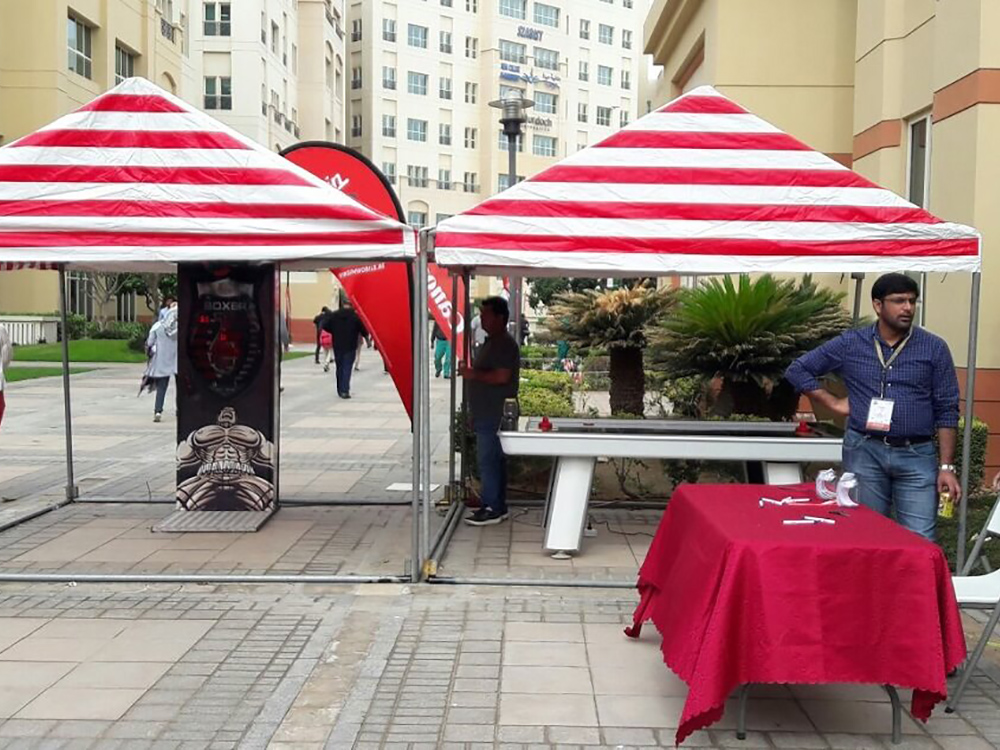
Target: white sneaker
{"points": [[157, 417]]}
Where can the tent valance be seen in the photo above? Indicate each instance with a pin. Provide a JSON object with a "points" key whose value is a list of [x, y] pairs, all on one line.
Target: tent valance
{"points": [[701, 186], [139, 178]]}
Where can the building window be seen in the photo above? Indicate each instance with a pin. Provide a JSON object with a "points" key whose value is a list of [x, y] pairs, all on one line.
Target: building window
{"points": [[444, 134], [471, 6], [78, 42], [79, 289], [263, 27], [446, 3], [626, 79], [389, 170], [548, 59], [416, 36], [356, 126], [471, 135], [416, 130], [470, 183], [416, 176], [604, 116], [471, 92], [626, 39], [504, 142], [543, 145], [218, 92], [581, 112], [356, 78], [584, 70], [218, 19], [627, 3], [547, 15], [623, 118], [295, 58], [605, 34], [584, 28], [438, 218], [513, 8], [604, 74], [471, 47], [416, 83], [389, 126], [125, 307], [609, 2], [444, 88], [388, 78], [545, 103], [510, 91], [918, 161], [356, 30], [513, 52], [124, 64], [274, 37], [444, 179], [389, 29], [503, 181], [416, 219], [445, 43]]}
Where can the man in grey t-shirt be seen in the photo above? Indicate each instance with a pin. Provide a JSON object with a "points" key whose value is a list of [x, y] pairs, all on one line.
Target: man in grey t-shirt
{"points": [[492, 379]]}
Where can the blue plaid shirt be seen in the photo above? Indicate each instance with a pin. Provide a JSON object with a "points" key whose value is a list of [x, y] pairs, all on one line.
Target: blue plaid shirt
{"points": [[922, 380]]}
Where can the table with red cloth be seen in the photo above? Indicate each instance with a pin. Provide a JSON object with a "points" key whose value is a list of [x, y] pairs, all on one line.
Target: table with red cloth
{"points": [[739, 598]]}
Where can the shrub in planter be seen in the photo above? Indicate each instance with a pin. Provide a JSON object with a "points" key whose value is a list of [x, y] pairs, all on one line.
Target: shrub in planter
{"points": [[557, 382], [540, 402], [76, 326]]}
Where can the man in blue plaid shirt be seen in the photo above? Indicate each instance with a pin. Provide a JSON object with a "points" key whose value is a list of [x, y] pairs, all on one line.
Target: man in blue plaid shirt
{"points": [[902, 389]]}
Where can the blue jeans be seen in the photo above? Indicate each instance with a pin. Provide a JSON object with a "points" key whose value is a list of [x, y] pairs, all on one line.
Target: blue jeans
{"points": [[492, 464], [900, 480], [161, 394], [345, 366]]}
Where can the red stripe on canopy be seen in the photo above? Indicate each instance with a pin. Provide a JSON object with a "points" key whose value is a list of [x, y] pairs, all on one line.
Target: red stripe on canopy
{"points": [[129, 103], [668, 139], [169, 209], [703, 176], [157, 175], [704, 105], [130, 139], [208, 239]]}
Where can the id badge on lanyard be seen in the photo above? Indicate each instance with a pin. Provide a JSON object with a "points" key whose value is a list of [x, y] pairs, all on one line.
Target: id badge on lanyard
{"points": [[880, 409]]}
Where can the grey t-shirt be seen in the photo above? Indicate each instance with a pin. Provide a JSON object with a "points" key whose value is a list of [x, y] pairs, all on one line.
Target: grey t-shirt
{"points": [[498, 353]]}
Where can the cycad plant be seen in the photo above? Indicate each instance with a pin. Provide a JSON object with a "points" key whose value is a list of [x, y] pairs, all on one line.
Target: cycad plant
{"points": [[615, 321], [745, 334]]}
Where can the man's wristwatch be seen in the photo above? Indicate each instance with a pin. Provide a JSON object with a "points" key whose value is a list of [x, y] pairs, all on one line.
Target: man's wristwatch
{"points": [[947, 467]]}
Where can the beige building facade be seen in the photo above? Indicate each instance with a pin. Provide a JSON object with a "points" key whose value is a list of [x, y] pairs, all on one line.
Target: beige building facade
{"points": [[904, 91]]}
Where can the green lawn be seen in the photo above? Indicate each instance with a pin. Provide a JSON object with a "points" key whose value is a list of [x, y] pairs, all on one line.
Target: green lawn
{"points": [[297, 355], [15, 374], [86, 350]]}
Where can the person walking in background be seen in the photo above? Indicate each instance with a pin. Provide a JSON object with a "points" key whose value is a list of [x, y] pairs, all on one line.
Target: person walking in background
{"points": [[318, 322], [493, 378], [161, 348], [364, 339], [345, 327], [442, 352], [6, 355], [326, 342], [478, 333]]}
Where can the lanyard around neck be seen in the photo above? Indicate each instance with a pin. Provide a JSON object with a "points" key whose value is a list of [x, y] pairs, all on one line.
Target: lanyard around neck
{"points": [[896, 352]]}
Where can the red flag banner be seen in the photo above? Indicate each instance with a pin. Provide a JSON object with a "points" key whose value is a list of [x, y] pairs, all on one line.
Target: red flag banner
{"points": [[380, 292], [440, 301]]}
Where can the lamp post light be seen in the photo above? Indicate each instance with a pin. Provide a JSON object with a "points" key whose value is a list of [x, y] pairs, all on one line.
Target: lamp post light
{"points": [[512, 107]]}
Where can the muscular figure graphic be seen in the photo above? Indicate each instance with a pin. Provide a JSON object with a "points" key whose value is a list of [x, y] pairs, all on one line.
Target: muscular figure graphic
{"points": [[225, 454]]}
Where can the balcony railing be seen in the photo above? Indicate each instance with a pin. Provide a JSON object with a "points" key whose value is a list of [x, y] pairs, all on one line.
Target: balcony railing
{"points": [[167, 29]]}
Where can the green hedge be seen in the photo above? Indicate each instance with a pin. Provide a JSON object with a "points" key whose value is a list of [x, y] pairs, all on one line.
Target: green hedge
{"points": [[541, 402], [977, 469], [560, 383]]}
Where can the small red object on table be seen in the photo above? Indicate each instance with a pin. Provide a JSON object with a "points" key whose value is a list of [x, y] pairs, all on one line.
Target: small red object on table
{"points": [[739, 597], [545, 425]]}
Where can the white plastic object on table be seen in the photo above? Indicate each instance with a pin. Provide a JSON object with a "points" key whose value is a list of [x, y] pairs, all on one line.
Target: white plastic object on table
{"points": [[847, 490], [826, 482]]}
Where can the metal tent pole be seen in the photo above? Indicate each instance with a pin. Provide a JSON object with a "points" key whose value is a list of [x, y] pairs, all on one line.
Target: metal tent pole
{"points": [[859, 280], [416, 564], [425, 402], [970, 391], [71, 492], [453, 356]]}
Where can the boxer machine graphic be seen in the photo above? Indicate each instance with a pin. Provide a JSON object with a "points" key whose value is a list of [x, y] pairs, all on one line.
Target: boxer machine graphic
{"points": [[226, 458]]}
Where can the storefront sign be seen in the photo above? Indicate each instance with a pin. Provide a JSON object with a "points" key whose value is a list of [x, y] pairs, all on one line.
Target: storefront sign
{"points": [[526, 32]]}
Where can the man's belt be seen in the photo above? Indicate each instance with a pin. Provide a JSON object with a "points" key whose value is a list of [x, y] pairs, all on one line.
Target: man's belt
{"points": [[899, 442]]}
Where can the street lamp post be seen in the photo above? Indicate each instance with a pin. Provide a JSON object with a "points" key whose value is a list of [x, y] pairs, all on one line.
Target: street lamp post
{"points": [[512, 107]]}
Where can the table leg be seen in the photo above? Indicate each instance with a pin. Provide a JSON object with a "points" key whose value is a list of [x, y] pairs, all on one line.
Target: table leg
{"points": [[569, 497], [897, 714], [741, 715]]}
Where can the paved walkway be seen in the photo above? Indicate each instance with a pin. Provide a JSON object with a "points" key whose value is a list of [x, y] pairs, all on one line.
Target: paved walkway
{"points": [[304, 667]]}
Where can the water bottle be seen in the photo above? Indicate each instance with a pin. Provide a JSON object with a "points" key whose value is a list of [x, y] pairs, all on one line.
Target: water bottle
{"points": [[511, 413]]}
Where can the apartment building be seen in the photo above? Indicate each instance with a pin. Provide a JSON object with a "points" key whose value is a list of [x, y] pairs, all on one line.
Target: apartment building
{"points": [[906, 93], [422, 74]]}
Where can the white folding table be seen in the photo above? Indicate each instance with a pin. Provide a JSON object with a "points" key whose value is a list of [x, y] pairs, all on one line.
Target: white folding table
{"points": [[576, 444]]}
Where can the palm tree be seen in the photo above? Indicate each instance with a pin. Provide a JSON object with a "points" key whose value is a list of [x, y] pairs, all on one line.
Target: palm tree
{"points": [[614, 320], [746, 334]]}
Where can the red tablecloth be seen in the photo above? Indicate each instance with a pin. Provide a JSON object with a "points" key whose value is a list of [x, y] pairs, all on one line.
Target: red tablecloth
{"points": [[741, 598]]}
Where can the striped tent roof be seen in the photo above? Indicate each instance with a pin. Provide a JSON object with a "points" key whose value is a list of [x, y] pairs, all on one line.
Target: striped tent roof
{"points": [[139, 178], [701, 186]]}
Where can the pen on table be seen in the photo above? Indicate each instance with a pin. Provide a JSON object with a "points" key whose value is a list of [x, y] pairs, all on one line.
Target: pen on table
{"points": [[817, 519], [797, 521]]}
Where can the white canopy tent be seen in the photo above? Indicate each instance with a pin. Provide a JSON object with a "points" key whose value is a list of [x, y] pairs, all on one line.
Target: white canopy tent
{"points": [[140, 180], [703, 186]]}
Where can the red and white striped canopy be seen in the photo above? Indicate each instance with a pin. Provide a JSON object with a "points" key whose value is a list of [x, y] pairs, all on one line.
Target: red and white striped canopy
{"points": [[139, 178], [701, 186]]}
